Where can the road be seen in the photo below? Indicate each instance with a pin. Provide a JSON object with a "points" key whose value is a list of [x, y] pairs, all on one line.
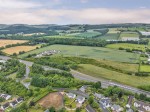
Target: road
{"points": [[81, 76], [106, 83]]}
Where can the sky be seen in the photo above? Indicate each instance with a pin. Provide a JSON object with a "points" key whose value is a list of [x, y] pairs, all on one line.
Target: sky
{"points": [[74, 11]]}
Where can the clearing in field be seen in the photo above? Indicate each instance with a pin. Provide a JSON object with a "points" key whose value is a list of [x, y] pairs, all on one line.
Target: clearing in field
{"points": [[126, 46], [3, 43], [18, 49], [112, 75], [88, 52], [129, 34], [52, 100], [145, 68]]}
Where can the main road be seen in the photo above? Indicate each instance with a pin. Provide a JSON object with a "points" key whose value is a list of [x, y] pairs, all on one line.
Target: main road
{"points": [[81, 76]]}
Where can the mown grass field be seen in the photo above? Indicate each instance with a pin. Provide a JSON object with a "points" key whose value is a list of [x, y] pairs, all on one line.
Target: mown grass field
{"points": [[88, 52], [122, 66], [129, 34], [113, 30], [126, 46], [18, 49], [59, 36], [110, 36], [145, 68], [3, 43], [112, 75], [88, 34]]}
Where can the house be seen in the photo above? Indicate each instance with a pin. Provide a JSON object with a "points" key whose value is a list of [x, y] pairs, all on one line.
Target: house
{"points": [[71, 95], [89, 109], [141, 106], [130, 39], [148, 60], [5, 96], [106, 102], [98, 96], [2, 61], [80, 99], [20, 99], [5, 106], [130, 99], [1, 110], [129, 110], [13, 103], [83, 89], [116, 108]]}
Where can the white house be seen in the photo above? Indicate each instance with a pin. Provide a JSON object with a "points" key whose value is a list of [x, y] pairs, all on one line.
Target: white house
{"points": [[13, 103], [71, 95], [98, 96], [5, 96], [82, 89], [116, 108], [106, 102], [148, 60], [80, 99], [141, 106]]}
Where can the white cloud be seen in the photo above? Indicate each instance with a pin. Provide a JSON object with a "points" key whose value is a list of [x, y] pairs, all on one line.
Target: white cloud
{"points": [[17, 4], [85, 16]]}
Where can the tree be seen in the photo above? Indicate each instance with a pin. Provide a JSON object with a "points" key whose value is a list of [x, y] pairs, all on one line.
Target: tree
{"points": [[97, 85], [91, 99], [52, 109], [78, 109]]}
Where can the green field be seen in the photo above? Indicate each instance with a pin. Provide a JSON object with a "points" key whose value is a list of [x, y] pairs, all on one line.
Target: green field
{"points": [[60, 36], [88, 34], [110, 36], [145, 68], [112, 75], [89, 52], [129, 34], [126, 46], [113, 30]]}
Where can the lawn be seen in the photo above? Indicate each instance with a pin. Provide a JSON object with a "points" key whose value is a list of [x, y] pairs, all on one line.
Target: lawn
{"points": [[110, 36], [129, 34], [3, 43], [112, 75], [18, 49], [35, 110], [88, 34], [145, 68], [88, 52], [126, 46]]}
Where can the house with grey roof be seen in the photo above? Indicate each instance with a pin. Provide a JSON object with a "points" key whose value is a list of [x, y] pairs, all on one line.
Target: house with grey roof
{"points": [[5, 106], [98, 96], [80, 99], [106, 102], [142, 106], [71, 95], [116, 108]]}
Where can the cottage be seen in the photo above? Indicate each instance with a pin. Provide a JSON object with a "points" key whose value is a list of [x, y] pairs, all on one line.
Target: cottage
{"points": [[116, 108], [71, 95], [5, 106], [141, 106], [20, 99], [80, 99], [5, 96], [83, 88], [13, 103], [98, 96], [106, 102]]}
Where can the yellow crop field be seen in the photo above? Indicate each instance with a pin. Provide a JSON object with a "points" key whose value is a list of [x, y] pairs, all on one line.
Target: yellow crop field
{"points": [[18, 49], [3, 43]]}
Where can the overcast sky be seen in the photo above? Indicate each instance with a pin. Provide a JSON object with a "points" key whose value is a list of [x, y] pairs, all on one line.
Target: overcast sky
{"points": [[74, 11]]}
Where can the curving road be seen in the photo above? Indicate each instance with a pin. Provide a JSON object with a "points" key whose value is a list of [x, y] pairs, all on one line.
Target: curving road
{"points": [[81, 76]]}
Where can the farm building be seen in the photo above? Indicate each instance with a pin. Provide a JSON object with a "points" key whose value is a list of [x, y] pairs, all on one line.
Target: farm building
{"points": [[145, 33], [130, 39]]}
